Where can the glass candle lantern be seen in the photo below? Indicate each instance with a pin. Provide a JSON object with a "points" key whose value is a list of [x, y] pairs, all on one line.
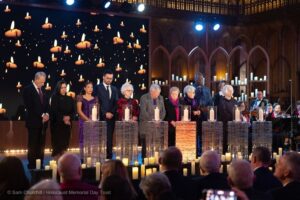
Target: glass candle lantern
{"points": [[212, 113], [185, 113], [127, 112], [94, 112]]}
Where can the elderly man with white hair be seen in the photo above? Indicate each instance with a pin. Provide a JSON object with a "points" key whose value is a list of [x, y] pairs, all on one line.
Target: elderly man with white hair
{"points": [[148, 103], [210, 164], [225, 111], [127, 101], [241, 176], [288, 172]]}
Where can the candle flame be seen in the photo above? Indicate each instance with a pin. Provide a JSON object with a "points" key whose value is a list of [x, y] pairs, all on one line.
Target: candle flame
{"points": [[67, 48], [137, 41], [12, 26], [100, 60], [52, 56], [79, 57], [46, 20], [118, 34], [12, 59], [39, 59], [55, 43], [83, 37], [27, 14], [68, 87], [141, 67]]}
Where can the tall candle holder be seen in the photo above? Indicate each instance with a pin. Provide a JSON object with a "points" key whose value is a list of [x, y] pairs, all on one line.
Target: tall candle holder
{"points": [[127, 112], [94, 112], [212, 113], [185, 113]]}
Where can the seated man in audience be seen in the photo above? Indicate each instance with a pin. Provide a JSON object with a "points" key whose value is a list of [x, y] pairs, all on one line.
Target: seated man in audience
{"points": [[264, 179], [288, 172], [171, 160], [240, 176], [210, 166], [69, 168]]}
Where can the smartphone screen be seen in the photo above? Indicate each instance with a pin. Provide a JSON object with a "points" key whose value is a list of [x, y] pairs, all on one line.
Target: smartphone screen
{"points": [[219, 195]]}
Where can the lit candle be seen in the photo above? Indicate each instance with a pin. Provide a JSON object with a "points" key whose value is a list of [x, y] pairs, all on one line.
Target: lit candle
{"points": [[215, 78], [83, 166], [148, 172], [245, 81], [126, 113], [252, 94], [39, 59], [151, 160], [264, 93], [251, 76], [236, 80], [274, 155], [98, 170], [260, 115], [38, 163], [265, 77], [118, 34], [0, 105], [226, 76], [146, 161], [55, 43], [228, 157], [94, 113], [255, 78], [156, 114], [184, 78], [280, 151], [54, 171], [46, 20], [193, 168], [237, 114], [125, 161], [83, 37], [211, 115], [255, 92], [143, 171], [135, 173], [223, 158], [89, 162], [186, 114], [156, 156], [154, 169], [173, 77], [185, 172], [47, 167], [232, 82]]}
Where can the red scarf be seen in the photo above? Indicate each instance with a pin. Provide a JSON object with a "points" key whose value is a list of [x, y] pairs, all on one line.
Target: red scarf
{"points": [[175, 103]]}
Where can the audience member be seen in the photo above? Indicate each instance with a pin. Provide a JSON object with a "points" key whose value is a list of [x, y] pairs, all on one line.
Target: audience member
{"points": [[264, 179], [69, 167], [288, 172], [44, 190]]}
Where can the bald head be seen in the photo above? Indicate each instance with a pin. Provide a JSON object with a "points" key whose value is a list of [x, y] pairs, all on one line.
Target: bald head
{"points": [[69, 167], [240, 174], [171, 159], [210, 162]]}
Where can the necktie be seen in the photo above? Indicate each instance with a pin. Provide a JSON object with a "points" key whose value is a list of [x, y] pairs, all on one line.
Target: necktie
{"points": [[107, 89], [41, 95]]}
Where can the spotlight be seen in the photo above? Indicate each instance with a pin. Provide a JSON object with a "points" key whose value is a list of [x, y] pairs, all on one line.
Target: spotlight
{"points": [[216, 27], [141, 7], [199, 26], [107, 4], [70, 2]]}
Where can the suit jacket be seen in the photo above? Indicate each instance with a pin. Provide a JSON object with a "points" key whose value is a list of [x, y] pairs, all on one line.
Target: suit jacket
{"points": [[182, 187], [171, 112], [225, 109], [203, 96], [34, 107], [289, 192], [147, 108], [106, 104], [265, 180], [263, 103], [212, 181]]}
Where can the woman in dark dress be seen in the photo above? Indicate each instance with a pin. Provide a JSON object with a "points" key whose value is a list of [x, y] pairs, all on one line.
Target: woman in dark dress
{"points": [[84, 103], [126, 100], [61, 114], [189, 99], [172, 106]]}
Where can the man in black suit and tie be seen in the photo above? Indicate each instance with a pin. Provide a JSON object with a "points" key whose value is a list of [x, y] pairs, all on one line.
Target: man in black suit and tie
{"points": [[36, 106], [108, 97], [288, 172], [264, 179]]}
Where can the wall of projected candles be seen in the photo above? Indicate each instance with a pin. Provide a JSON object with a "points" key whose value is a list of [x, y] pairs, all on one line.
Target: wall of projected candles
{"points": [[73, 46]]}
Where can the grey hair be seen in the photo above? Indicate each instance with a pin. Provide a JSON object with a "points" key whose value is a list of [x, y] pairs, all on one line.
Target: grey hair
{"points": [[210, 162], [126, 86], [188, 88], [154, 184], [173, 89], [39, 74], [155, 86], [44, 185], [227, 88], [241, 174]]}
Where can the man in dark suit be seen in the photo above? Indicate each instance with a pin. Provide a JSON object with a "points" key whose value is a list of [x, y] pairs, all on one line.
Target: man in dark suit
{"points": [[36, 106], [219, 94], [264, 179], [288, 172], [240, 176], [108, 97], [210, 166], [171, 160]]}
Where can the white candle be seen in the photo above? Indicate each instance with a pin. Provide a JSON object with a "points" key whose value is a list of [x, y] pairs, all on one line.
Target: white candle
{"points": [[237, 115], [39, 59], [251, 76], [274, 155], [12, 59], [255, 92], [265, 77], [232, 82], [54, 171], [228, 157], [185, 114], [47, 167], [154, 169], [280, 151], [83, 37], [177, 78], [46, 20], [173, 77], [222, 158], [98, 170], [252, 94], [38, 163], [83, 166], [55, 43], [0, 105], [184, 78], [148, 172], [193, 168], [264, 93], [156, 156], [211, 115], [260, 115], [151, 160], [135, 173], [236, 80], [255, 78], [156, 114], [239, 82], [125, 161], [94, 113], [226, 76], [215, 78], [126, 114], [185, 172], [246, 97], [245, 81], [146, 161], [143, 171], [89, 162]]}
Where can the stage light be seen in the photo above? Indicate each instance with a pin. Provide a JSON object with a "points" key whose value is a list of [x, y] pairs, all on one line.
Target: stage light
{"points": [[107, 4], [216, 27], [70, 2], [141, 7], [199, 26]]}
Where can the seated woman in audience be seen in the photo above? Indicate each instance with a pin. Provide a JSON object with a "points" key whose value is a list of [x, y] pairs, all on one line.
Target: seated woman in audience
{"points": [[85, 102], [277, 111], [127, 100], [244, 114], [189, 99], [50, 191], [116, 188], [172, 106], [12, 177], [269, 112], [116, 167]]}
